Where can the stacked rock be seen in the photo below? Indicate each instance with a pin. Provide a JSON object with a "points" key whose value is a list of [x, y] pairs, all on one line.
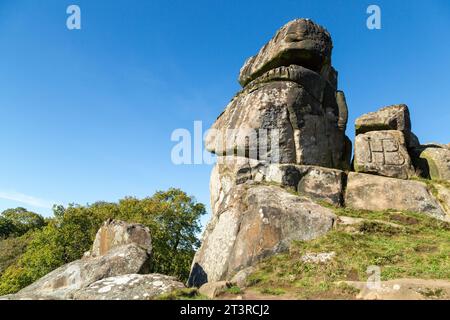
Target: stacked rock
{"points": [[382, 142], [286, 128], [386, 146]]}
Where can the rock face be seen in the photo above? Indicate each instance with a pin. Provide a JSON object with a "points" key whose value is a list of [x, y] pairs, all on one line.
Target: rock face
{"points": [[382, 142], [129, 287], [384, 153], [369, 192], [110, 270], [115, 233], [257, 221]]}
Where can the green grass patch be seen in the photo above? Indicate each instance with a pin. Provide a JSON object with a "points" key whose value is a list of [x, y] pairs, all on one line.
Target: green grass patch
{"points": [[182, 294], [418, 249], [234, 290]]}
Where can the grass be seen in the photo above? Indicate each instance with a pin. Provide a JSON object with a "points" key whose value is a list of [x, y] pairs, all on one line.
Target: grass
{"points": [[418, 249], [273, 291], [234, 290], [182, 294]]}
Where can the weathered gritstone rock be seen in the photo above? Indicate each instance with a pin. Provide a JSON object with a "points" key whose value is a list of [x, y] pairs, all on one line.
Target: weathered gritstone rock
{"points": [[434, 162], [300, 42], [259, 221], [115, 233], [383, 153], [289, 110], [316, 182], [370, 192], [63, 282], [129, 287], [394, 117]]}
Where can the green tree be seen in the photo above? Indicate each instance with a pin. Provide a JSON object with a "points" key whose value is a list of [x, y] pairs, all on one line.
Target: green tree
{"points": [[18, 221]]}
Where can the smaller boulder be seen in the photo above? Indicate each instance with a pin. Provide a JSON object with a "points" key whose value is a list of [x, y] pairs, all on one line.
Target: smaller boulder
{"points": [[395, 117], [213, 289], [114, 233]]}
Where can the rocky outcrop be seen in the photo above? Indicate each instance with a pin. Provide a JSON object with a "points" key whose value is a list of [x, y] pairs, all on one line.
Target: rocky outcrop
{"points": [[280, 139], [112, 269], [281, 144], [256, 222], [129, 287], [376, 193]]}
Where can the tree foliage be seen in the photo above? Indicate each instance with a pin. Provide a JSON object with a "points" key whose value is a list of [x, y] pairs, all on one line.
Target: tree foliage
{"points": [[172, 216], [16, 222]]}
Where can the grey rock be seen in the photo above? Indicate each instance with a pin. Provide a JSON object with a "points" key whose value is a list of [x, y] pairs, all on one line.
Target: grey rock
{"points": [[300, 42], [315, 182], [63, 282], [240, 279], [433, 162], [129, 287], [394, 117], [383, 153], [260, 221], [376, 193], [114, 233], [214, 289]]}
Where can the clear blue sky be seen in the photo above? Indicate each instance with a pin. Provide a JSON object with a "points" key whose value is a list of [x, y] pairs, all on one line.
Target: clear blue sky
{"points": [[87, 115]]}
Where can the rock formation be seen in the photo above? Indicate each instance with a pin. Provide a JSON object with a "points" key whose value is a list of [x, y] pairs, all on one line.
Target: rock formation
{"points": [[281, 145], [114, 268], [286, 128]]}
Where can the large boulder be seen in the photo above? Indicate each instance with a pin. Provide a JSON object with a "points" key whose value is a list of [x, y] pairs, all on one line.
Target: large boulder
{"points": [[114, 233], [433, 161], [370, 192], [257, 221], [300, 42], [63, 282], [129, 287], [384, 153], [290, 110]]}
